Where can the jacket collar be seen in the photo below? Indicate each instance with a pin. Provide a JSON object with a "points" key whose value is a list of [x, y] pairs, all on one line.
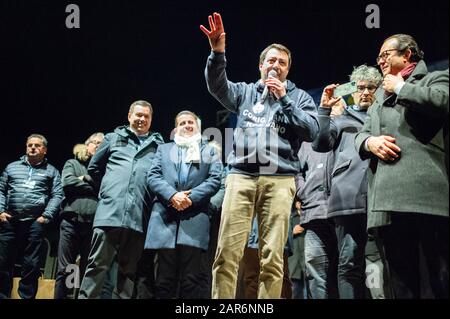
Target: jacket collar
{"points": [[153, 137], [23, 159], [419, 72], [360, 116]]}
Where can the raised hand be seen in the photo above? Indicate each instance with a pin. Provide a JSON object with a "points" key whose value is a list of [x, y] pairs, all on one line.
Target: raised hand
{"points": [[216, 35], [327, 100]]}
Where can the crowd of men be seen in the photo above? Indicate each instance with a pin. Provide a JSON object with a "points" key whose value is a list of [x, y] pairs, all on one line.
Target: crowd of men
{"points": [[329, 201]]}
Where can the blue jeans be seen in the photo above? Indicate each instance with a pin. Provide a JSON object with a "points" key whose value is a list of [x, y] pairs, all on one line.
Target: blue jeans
{"points": [[299, 288], [321, 259], [351, 237], [15, 236]]}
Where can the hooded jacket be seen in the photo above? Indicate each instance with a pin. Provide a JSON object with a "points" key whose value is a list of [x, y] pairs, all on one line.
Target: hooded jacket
{"points": [[120, 165], [266, 139]]}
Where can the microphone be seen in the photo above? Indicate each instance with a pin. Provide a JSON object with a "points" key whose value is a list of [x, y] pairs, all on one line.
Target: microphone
{"points": [[272, 74]]}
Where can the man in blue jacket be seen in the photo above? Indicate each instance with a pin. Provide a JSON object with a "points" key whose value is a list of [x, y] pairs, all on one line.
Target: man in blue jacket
{"points": [[184, 176], [120, 164], [30, 197], [273, 120], [347, 202]]}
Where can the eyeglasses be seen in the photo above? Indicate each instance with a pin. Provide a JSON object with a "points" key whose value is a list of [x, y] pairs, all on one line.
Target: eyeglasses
{"points": [[370, 88], [384, 55]]}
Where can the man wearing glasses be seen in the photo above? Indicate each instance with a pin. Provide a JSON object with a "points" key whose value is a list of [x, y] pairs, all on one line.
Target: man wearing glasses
{"points": [[345, 227], [403, 137]]}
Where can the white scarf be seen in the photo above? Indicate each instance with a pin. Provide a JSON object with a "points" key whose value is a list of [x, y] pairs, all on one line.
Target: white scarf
{"points": [[192, 144]]}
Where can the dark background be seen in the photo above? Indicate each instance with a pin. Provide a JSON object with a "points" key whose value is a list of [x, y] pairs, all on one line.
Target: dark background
{"points": [[68, 83]]}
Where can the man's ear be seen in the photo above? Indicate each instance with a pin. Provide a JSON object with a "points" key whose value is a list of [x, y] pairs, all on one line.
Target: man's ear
{"points": [[407, 55]]}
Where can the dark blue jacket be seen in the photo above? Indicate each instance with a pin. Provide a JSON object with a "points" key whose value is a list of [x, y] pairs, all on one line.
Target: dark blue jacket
{"points": [[313, 183], [121, 164], [167, 226], [81, 196], [348, 190], [27, 192]]}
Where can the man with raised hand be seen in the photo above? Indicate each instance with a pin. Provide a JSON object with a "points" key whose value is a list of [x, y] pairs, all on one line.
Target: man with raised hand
{"points": [[274, 118]]}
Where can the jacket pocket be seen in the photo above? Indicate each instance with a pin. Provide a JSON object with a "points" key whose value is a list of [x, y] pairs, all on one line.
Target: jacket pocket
{"points": [[341, 168]]}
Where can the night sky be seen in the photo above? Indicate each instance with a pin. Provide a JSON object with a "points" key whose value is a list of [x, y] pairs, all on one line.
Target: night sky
{"points": [[68, 83]]}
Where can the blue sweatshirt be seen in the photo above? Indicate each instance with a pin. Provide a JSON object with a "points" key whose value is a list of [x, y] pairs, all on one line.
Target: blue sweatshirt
{"points": [[267, 138]]}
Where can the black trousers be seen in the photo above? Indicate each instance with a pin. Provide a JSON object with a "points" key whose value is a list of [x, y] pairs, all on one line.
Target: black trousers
{"points": [[410, 238], [180, 270], [109, 244], [15, 236], [144, 287], [74, 239]]}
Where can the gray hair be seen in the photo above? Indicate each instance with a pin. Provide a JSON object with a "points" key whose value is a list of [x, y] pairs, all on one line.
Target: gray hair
{"points": [[90, 138], [366, 73], [39, 136]]}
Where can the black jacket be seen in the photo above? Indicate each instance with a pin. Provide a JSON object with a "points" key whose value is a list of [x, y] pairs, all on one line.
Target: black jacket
{"points": [[80, 196]]}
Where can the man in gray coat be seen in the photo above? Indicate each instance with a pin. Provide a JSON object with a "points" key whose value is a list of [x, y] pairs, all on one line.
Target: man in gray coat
{"points": [[403, 136], [184, 176], [120, 164]]}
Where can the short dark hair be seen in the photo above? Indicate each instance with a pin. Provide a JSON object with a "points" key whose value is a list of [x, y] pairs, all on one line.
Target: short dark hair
{"points": [[405, 42], [185, 112], [141, 103], [279, 47], [39, 136]]}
